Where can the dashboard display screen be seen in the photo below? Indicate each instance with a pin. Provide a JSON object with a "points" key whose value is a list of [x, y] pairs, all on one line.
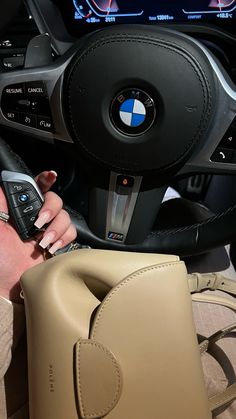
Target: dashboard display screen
{"points": [[91, 12]]}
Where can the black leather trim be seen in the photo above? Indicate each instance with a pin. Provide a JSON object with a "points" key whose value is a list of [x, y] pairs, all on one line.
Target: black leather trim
{"points": [[218, 230]]}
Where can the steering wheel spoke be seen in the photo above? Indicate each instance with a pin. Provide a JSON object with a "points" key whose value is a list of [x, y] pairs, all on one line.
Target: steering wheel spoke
{"points": [[125, 213], [31, 101]]}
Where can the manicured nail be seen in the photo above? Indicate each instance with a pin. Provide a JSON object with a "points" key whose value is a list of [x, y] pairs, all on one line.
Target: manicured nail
{"points": [[54, 173], [47, 239], [56, 246], [43, 218]]}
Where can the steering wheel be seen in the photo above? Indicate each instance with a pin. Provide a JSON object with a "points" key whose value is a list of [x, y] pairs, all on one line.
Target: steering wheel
{"points": [[143, 105]]}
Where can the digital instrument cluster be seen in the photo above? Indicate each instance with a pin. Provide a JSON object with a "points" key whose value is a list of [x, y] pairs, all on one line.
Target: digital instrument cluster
{"points": [[89, 12]]}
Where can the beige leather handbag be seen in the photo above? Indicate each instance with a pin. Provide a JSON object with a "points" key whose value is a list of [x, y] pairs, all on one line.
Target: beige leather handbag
{"points": [[111, 334]]}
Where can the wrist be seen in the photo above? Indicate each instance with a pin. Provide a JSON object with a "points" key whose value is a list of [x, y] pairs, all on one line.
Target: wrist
{"points": [[9, 284]]}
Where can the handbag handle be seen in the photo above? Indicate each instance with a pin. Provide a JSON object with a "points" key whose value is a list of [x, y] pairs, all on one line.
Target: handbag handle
{"points": [[200, 282]]}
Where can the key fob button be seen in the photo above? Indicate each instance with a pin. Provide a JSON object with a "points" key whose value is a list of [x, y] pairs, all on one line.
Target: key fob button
{"points": [[14, 187], [28, 209], [28, 220], [22, 198]]}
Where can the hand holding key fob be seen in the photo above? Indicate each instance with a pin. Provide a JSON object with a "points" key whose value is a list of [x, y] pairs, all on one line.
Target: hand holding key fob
{"points": [[24, 200]]}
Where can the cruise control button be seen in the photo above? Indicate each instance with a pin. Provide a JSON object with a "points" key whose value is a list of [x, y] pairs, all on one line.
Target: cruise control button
{"points": [[14, 89], [44, 123], [27, 104], [223, 155], [23, 104], [40, 106], [12, 116], [35, 88], [27, 119]]}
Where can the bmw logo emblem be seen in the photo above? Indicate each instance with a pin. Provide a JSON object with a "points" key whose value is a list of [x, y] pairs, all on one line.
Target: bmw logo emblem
{"points": [[133, 112]]}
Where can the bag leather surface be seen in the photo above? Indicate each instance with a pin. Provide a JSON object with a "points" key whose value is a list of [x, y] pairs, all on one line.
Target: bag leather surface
{"points": [[111, 334]]}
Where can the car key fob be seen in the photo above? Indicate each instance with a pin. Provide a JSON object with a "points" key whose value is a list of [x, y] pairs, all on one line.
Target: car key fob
{"points": [[24, 200]]}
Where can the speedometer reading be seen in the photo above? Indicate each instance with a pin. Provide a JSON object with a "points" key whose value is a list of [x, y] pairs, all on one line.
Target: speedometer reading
{"points": [[93, 10]]}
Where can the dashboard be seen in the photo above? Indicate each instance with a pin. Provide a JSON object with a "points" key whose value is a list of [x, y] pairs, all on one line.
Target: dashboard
{"points": [[82, 15], [96, 11]]}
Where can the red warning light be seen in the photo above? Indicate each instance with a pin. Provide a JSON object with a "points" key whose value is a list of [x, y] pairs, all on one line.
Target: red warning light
{"points": [[125, 181]]}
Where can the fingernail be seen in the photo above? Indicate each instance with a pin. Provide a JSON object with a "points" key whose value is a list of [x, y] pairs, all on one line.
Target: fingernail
{"points": [[53, 171], [56, 246], [47, 239], [43, 218]]}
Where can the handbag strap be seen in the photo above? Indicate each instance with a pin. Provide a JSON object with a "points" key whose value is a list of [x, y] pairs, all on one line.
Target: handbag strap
{"points": [[214, 281], [200, 282]]}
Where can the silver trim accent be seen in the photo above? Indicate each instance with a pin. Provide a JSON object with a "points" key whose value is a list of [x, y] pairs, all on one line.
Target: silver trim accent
{"points": [[8, 176], [218, 70], [4, 217], [120, 207]]}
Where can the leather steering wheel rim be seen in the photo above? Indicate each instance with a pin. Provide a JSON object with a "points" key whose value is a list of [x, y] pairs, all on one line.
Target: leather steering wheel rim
{"points": [[184, 241]]}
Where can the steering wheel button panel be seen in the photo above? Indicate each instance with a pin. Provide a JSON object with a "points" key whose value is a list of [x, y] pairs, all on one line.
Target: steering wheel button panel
{"points": [[28, 104], [223, 155], [12, 116], [229, 139], [44, 123], [36, 88], [14, 89], [28, 119]]}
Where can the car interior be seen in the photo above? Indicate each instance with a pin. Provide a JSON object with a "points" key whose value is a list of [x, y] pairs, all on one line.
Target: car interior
{"points": [[86, 181], [133, 104]]}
